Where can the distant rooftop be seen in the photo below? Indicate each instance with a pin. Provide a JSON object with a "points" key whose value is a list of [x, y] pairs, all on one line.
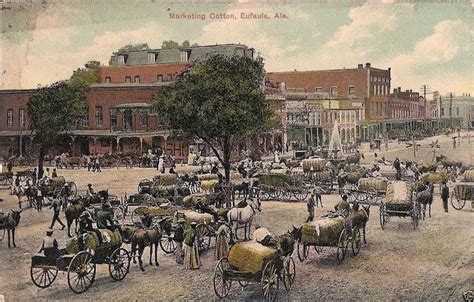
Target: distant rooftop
{"points": [[177, 55]]}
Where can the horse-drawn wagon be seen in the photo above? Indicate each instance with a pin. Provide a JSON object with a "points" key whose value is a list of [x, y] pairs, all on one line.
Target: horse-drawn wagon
{"points": [[282, 187], [6, 178], [368, 190], [399, 202], [250, 261], [57, 187], [81, 265], [463, 192]]}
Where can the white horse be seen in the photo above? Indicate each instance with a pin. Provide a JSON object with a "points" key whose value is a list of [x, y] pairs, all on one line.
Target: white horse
{"points": [[243, 216]]}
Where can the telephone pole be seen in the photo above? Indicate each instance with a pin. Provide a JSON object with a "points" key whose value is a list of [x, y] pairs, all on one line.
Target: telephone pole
{"points": [[451, 109]]}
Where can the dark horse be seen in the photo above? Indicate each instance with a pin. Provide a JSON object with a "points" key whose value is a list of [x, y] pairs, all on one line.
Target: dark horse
{"points": [[424, 196], [10, 222], [73, 210]]}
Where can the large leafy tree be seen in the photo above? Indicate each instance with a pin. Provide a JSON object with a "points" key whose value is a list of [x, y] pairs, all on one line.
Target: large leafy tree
{"points": [[86, 76], [218, 100], [54, 111]]}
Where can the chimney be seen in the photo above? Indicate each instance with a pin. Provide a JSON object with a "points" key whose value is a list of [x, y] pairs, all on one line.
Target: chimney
{"points": [[399, 89], [360, 66], [367, 65], [395, 90], [410, 90]]}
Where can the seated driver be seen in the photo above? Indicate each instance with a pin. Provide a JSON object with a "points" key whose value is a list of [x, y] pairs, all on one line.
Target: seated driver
{"points": [[50, 246], [263, 236]]}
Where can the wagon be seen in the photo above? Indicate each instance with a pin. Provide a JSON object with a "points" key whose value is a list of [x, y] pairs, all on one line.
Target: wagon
{"points": [[272, 270], [283, 187], [206, 227], [399, 204], [367, 191], [463, 192], [56, 186], [81, 265], [328, 232], [6, 178]]}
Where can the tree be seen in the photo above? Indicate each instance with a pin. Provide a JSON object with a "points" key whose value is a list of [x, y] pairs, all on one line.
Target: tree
{"points": [[218, 100], [86, 76], [172, 44], [54, 111], [134, 47]]}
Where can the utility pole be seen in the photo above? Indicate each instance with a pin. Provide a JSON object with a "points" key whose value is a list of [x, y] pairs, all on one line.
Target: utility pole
{"points": [[451, 109]]}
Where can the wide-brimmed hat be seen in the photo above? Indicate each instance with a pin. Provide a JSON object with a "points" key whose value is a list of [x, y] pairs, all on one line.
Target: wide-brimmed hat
{"points": [[193, 223], [221, 220], [89, 185]]}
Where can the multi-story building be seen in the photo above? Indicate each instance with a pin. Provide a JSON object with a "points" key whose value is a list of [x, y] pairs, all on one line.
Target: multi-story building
{"points": [[370, 84], [456, 111]]}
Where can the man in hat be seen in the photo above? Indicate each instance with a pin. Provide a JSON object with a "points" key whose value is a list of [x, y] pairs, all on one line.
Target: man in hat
{"points": [[262, 236], [178, 237], [104, 218], [343, 208], [191, 253], [85, 227], [445, 195], [318, 195], [50, 246], [222, 246], [56, 206], [90, 192], [54, 174], [310, 206]]}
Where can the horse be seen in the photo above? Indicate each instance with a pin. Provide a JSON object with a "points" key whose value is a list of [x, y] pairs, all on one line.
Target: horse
{"points": [[242, 189], [243, 216], [447, 164], [34, 198], [10, 222], [72, 213], [424, 197], [360, 223], [351, 177], [354, 159]]}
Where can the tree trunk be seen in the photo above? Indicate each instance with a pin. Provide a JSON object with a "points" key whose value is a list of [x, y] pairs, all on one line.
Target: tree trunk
{"points": [[226, 163], [42, 153]]}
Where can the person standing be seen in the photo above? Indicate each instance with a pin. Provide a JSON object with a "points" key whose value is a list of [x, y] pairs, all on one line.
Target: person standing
{"points": [[445, 196], [54, 174], [222, 246], [97, 164], [56, 206], [10, 165], [318, 195], [178, 237], [34, 176], [310, 206], [46, 173], [50, 246], [191, 254]]}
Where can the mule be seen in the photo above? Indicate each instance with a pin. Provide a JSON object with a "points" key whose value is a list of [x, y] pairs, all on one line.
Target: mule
{"points": [[362, 224], [425, 197], [10, 222], [73, 210], [243, 216]]}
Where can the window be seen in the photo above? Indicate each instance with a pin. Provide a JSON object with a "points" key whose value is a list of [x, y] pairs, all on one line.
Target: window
{"points": [[99, 119], [151, 58], [121, 59], [113, 117], [21, 116], [10, 118], [159, 78], [108, 79], [374, 91], [170, 77], [184, 56], [136, 79], [352, 90], [319, 89], [85, 120], [144, 118], [334, 91], [457, 111], [128, 79]]}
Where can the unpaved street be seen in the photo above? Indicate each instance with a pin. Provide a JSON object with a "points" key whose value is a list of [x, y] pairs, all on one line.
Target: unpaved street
{"points": [[435, 262]]}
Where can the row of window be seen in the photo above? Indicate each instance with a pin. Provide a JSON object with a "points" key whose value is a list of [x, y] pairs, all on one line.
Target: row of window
{"points": [[21, 118], [183, 57], [381, 89], [378, 109], [450, 111], [381, 80], [136, 79], [333, 90], [127, 118]]}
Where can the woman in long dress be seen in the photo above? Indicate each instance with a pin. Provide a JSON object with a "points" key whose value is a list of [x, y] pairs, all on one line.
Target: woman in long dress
{"points": [[222, 246], [191, 254]]}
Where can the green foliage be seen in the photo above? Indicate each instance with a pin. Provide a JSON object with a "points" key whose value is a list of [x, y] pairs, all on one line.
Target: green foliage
{"points": [[54, 111], [172, 44], [134, 47], [86, 76], [218, 100]]}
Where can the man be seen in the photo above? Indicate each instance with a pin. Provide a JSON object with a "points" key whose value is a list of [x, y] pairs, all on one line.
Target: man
{"points": [[178, 237], [104, 218], [56, 206], [34, 176], [310, 205], [50, 246], [161, 164], [191, 254], [343, 208], [10, 165], [90, 192], [398, 168], [54, 174], [214, 169], [318, 195], [262, 236], [85, 227], [46, 173], [97, 164], [445, 196], [222, 246]]}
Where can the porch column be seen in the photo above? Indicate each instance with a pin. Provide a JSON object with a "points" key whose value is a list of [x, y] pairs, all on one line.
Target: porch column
{"points": [[141, 144], [94, 139]]}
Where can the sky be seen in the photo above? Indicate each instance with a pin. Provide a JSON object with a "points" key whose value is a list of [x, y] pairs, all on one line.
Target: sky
{"points": [[424, 44]]}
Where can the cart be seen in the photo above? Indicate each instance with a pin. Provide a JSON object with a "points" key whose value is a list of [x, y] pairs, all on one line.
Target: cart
{"points": [[80, 267], [279, 268], [340, 240], [463, 192], [6, 178], [283, 187], [405, 208]]}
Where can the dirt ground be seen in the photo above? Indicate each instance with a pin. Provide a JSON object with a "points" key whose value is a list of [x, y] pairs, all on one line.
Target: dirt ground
{"points": [[435, 262]]}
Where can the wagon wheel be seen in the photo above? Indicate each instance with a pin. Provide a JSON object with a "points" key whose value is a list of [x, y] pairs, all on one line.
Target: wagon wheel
{"points": [[300, 194], [167, 244], [142, 183], [81, 272], [158, 183], [457, 203], [356, 241], [265, 193], [383, 221], [270, 281], [2, 234], [318, 249], [221, 284], [136, 215], [348, 189], [274, 193], [119, 264], [286, 192], [342, 246], [72, 188], [289, 273], [303, 251], [43, 277], [203, 236]]}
